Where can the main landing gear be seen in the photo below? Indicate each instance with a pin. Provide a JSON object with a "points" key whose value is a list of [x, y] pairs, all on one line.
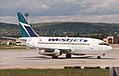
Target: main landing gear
{"points": [[68, 55], [98, 57], [55, 57]]}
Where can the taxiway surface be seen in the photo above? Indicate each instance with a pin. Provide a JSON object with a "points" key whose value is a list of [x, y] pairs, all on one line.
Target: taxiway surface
{"points": [[23, 59]]}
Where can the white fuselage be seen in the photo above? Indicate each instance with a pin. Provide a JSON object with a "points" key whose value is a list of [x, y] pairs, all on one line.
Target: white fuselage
{"points": [[77, 45]]}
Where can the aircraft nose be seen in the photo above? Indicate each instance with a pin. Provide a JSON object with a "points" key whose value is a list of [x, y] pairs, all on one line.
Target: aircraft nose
{"points": [[109, 47]]}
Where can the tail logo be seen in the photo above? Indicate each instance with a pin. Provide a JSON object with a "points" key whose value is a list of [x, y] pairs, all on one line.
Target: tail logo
{"points": [[25, 29]]}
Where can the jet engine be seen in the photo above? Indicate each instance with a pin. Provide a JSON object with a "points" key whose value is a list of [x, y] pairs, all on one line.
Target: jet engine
{"points": [[51, 52]]}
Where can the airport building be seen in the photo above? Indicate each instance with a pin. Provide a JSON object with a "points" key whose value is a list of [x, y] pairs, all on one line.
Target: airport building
{"points": [[7, 41], [17, 42], [112, 39]]}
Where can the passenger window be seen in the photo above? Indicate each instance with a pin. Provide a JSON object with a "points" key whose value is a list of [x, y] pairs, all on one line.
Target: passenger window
{"points": [[85, 40]]}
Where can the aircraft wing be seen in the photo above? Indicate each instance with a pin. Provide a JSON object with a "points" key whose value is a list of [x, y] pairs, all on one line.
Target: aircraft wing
{"points": [[9, 38], [63, 49]]}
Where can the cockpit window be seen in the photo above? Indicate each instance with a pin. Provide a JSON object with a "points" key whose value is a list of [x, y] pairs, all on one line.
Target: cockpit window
{"points": [[103, 44]]}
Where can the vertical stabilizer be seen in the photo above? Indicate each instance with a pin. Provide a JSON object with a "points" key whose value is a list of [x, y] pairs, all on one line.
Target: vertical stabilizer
{"points": [[25, 29]]}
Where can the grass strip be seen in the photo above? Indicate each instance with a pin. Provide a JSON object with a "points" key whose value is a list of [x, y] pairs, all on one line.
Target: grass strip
{"points": [[54, 72]]}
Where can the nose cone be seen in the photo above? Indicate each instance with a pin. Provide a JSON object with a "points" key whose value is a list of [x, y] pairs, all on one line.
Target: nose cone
{"points": [[109, 48]]}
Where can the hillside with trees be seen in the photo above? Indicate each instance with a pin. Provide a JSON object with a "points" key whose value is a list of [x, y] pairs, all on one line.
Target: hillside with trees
{"points": [[64, 28], [7, 29]]}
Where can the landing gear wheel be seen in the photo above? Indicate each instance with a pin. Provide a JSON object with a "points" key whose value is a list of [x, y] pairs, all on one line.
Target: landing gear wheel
{"points": [[98, 57], [55, 57], [68, 55]]}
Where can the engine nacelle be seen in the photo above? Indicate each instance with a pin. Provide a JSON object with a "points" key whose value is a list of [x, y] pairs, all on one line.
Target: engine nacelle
{"points": [[51, 52], [57, 52]]}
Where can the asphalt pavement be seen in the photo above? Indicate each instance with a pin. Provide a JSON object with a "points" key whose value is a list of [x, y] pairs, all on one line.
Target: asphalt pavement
{"points": [[22, 59]]}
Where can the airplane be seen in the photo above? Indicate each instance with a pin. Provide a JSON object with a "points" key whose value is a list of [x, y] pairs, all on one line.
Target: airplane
{"points": [[56, 46]]}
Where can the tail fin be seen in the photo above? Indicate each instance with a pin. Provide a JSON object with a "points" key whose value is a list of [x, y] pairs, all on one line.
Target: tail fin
{"points": [[25, 29]]}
